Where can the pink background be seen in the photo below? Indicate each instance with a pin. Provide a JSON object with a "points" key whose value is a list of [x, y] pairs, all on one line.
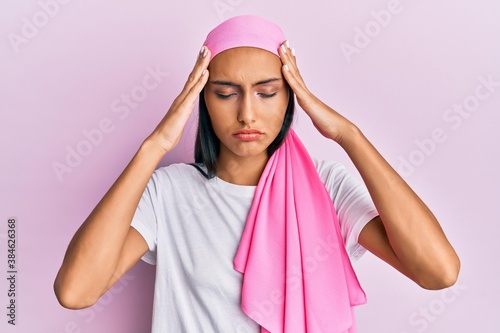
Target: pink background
{"points": [[63, 70]]}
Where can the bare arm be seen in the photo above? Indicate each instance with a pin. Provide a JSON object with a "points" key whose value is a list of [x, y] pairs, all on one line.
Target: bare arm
{"points": [[406, 234], [106, 246]]}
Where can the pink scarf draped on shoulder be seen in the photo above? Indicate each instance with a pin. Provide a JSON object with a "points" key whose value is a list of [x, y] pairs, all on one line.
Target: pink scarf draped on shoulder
{"points": [[297, 274]]}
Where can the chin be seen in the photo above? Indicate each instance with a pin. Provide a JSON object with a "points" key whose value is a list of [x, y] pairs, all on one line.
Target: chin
{"points": [[249, 149], [251, 153]]}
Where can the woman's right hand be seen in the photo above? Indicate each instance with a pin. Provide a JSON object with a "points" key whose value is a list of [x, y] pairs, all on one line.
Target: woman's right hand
{"points": [[169, 131], [106, 245]]}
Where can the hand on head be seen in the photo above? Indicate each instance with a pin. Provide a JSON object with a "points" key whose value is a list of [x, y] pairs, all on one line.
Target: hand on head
{"points": [[327, 121], [169, 131]]}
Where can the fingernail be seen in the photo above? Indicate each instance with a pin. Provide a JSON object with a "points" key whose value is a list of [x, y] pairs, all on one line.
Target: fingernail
{"points": [[286, 68], [202, 49], [203, 71], [283, 48], [293, 52], [205, 53], [287, 45]]}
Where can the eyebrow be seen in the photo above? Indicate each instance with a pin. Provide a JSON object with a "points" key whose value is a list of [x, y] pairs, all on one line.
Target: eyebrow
{"points": [[232, 84]]}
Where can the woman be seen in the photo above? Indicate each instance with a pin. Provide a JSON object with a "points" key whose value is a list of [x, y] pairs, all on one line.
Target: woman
{"points": [[253, 196]]}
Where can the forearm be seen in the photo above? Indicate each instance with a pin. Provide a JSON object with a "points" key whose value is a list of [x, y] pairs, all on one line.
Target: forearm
{"points": [[412, 230], [94, 251], [407, 235], [105, 246]]}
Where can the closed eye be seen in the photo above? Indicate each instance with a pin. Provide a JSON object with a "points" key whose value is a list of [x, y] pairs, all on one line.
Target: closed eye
{"points": [[224, 96], [267, 95]]}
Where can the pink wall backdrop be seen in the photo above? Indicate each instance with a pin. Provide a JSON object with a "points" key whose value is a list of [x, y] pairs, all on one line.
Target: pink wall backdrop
{"points": [[82, 83]]}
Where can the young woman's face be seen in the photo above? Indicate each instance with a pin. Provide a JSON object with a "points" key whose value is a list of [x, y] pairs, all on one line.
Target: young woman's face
{"points": [[246, 97]]}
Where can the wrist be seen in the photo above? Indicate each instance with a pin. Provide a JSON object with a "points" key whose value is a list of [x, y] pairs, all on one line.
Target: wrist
{"points": [[350, 137], [152, 146]]}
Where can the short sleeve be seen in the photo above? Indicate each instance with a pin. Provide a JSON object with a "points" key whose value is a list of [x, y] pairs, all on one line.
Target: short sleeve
{"points": [[352, 202], [145, 218]]}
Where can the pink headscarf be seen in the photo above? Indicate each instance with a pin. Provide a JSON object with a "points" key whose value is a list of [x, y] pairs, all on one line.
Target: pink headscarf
{"points": [[297, 274], [245, 30]]}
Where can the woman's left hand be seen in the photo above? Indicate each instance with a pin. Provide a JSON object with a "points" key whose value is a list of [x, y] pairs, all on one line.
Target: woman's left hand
{"points": [[405, 234], [326, 120]]}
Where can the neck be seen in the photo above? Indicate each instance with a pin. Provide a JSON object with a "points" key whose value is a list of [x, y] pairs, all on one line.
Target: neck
{"points": [[241, 170]]}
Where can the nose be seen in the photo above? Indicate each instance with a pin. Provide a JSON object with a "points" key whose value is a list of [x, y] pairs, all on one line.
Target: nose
{"points": [[246, 112]]}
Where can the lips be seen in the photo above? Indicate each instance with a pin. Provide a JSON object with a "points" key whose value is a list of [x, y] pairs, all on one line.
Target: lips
{"points": [[248, 134]]}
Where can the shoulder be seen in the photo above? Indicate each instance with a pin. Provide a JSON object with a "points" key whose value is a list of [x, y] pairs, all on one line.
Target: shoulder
{"points": [[175, 169], [329, 170], [177, 173], [340, 183]]}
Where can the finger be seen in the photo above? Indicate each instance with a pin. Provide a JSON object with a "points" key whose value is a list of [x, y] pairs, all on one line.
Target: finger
{"points": [[195, 90], [287, 54], [287, 59], [202, 62], [185, 103], [290, 70]]}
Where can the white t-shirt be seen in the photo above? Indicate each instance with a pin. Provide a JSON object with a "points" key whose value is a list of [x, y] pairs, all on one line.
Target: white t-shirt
{"points": [[193, 227]]}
